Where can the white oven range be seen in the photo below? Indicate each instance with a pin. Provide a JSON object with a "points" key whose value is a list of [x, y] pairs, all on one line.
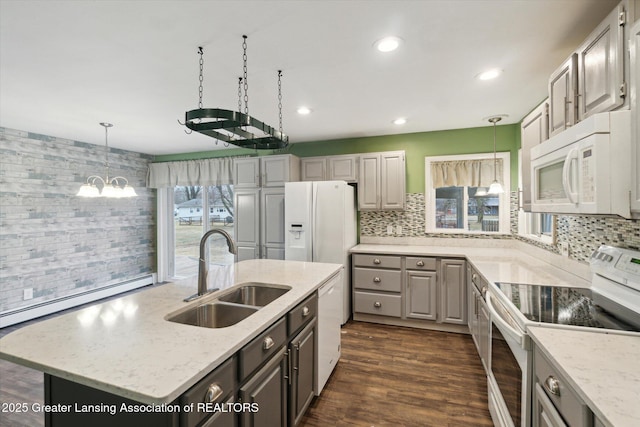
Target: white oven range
{"points": [[611, 304]]}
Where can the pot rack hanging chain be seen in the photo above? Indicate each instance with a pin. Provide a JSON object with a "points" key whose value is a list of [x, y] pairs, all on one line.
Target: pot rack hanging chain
{"points": [[239, 94], [280, 98], [201, 78], [244, 75]]}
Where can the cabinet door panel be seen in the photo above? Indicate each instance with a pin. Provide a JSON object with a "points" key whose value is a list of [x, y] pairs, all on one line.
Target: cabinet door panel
{"points": [[392, 180], [303, 353], [246, 225], [421, 300], [369, 182], [533, 131], [343, 168], [453, 292], [600, 65], [267, 389], [246, 173], [562, 90], [275, 170], [272, 222], [313, 169]]}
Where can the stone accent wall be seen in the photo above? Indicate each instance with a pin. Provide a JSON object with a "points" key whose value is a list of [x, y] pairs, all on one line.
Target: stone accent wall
{"points": [[583, 233], [57, 243]]}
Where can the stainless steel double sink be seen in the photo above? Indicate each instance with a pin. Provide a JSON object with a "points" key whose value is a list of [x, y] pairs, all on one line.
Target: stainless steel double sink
{"points": [[230, 307]]}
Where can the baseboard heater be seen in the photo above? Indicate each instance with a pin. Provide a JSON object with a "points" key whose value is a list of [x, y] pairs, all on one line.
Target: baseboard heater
{"points": [[22, 314]]}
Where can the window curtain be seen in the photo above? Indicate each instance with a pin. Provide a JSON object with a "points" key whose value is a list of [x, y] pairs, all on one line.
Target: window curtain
{"points": [[216, 171], [464, 173]]}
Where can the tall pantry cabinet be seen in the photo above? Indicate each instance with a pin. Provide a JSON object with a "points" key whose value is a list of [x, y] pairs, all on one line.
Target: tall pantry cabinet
{"points": [[259, 204]]}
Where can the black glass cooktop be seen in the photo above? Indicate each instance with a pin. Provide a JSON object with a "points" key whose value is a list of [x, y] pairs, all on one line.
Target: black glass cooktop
{"points": [[565, 306]]}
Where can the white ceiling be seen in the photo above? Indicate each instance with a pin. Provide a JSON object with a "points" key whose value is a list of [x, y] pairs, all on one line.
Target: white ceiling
{"points": [[67, 65]]}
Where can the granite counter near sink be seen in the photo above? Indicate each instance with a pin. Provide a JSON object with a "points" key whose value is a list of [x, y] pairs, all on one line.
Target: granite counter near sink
{"points": [[126, 347]]}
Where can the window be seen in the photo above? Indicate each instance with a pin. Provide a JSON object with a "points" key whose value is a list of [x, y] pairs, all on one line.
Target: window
{"points": [[540, 227], [455, 194]]}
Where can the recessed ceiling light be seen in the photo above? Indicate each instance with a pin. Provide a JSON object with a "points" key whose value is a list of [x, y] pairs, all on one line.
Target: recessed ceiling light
{"points": [[400, 121], [304, 110], [489, 74], [388, 44]]}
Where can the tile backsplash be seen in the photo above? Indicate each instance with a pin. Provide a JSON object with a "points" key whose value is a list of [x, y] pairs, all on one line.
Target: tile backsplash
{"points": [[583, 233]]}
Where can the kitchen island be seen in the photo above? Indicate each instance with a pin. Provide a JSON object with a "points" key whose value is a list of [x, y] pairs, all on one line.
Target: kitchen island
{"points": [[127, 348]]}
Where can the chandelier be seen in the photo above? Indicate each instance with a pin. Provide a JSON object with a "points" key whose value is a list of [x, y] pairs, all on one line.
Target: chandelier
{"points": [[109, 187], [237, 127]]}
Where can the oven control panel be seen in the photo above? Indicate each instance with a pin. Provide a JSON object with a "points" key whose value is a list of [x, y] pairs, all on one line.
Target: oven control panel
{"points": [[617, 264]]}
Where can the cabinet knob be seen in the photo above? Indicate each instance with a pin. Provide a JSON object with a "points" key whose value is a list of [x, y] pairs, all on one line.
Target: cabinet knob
{"points": [[267, 343], [376, 279], [420, 263], [213, 393], [552, 385], [376, 261], [377, 304], [305, 311]]}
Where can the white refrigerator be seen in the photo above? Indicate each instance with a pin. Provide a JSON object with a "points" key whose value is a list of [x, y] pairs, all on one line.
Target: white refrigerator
{"points": [[320, 226]]}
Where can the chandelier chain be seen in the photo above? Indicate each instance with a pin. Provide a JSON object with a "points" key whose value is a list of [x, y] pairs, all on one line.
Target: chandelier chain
{"points": [[280, 98], [244, 72], [201, 78]]}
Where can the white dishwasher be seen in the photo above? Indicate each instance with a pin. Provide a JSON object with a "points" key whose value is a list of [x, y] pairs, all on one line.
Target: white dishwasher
{"points": [[329, 321]]}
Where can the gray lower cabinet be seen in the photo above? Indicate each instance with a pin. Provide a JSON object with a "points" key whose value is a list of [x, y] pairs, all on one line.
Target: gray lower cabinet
{"points": [[302, 352], [453, 291], [421, 297], [556, 404], [266, 391]]}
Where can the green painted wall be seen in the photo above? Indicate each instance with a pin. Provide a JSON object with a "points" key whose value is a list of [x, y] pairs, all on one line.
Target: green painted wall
{"points": [[416, 146]]}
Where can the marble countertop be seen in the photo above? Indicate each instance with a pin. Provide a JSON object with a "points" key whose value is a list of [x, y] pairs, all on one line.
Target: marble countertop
{"points": [[603, 369], [496, 264], [126, 347]]}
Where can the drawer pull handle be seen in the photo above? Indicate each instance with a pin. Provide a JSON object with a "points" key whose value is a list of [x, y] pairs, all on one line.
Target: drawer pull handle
{"points": [[267, 343], [213, 393], [552, 385], [377, 304], [376, 261], [420, 263], [305, 311], [376, 279]]}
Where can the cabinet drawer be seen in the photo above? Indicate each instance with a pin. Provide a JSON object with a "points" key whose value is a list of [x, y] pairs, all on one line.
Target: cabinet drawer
{"points": [[222, 381], [302, 314], [381, 304], [377, 279], [378, 261], [572, 409], [264, 345], [421, 263]]}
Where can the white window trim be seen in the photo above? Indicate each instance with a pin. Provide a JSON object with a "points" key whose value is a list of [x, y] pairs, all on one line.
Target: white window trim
{"points": [[430, 193]]}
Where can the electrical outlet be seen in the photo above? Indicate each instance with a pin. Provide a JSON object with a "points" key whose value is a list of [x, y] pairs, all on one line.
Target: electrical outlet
{"points": [[398, 229], [27, 293], [564, 249], [389, 229]]}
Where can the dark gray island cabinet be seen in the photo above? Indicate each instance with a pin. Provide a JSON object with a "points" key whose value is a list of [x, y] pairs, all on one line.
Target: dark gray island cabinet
{"points": [[268, 382]]}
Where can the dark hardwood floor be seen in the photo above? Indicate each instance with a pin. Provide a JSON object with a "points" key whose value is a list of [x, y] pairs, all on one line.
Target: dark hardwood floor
{"points": [[392, 376], [387, 376]]}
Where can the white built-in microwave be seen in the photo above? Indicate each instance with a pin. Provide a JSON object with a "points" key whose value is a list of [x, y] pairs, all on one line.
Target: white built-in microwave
{"points": [[586, 169]]}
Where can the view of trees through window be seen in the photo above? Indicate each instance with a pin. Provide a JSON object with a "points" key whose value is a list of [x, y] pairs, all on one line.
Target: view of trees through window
{"points": [[191, 222], [464, 208]]}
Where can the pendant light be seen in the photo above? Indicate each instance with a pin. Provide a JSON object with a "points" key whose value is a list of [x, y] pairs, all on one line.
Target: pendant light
{"points": [[111, 187], [495, 187]]}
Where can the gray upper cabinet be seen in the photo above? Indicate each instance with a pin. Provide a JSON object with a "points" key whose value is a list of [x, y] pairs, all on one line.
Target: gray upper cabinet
{"points": [[330, 168], [343, 168], [246, 225], [562, 96], [267, 171], [313, 169], [533, 130], [601, 84], [382, 181], [272, 224]]}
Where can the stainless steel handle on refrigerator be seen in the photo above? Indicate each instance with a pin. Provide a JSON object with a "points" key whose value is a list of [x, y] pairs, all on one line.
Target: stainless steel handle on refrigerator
{"points": [[267, 343], [213, 393], [552, 385]]}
